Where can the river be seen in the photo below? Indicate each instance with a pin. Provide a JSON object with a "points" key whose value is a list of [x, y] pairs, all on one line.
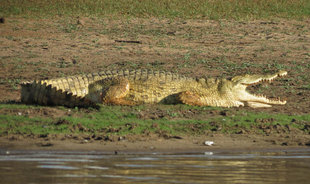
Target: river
{"points": [[290, 166]]}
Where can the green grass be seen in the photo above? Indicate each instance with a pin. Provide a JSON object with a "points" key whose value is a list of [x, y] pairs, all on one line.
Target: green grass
{"points": [[208, 9], [118, 120]]}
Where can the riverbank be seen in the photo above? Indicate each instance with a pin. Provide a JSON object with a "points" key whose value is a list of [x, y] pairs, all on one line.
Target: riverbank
{"points": [[70, 40], [161, 145]]}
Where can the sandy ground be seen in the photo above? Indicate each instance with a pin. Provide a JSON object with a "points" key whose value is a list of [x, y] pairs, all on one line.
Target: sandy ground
{"points": [[41, 49], [49, 48], [161, 145]]}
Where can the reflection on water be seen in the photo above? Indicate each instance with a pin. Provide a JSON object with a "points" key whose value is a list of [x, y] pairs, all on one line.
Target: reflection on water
{"points": [[99, 167]]}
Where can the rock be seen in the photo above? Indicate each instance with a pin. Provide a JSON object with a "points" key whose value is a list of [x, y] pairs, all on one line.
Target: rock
{"points": [[208, 143], [2, 20]]}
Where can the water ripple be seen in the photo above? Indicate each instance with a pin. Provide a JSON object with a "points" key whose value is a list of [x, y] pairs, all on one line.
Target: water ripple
{"points": [[57, 167], [96, 167], [14, 158]]}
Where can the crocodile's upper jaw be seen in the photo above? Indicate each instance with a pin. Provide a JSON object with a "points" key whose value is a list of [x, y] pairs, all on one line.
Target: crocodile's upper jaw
{"points": [[254, 100]]}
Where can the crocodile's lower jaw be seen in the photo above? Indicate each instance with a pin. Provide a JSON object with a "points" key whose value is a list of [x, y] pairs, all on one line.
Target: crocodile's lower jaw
{"points": [[262, 105]]}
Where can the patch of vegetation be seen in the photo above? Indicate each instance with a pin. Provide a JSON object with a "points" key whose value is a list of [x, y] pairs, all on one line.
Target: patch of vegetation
{"points": [[167, 120], [13, 83], [209, 9]]}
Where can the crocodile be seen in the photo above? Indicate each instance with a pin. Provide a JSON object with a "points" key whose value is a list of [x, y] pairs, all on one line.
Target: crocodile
{"points": [[134, 87]]}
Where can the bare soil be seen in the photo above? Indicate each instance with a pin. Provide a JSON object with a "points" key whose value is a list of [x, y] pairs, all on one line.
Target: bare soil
{"points": [[136, 144], [44, 49]]}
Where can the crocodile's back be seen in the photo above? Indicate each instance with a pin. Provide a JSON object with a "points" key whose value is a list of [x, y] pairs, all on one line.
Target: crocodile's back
{"points": [[146, 86], [156, 87]]}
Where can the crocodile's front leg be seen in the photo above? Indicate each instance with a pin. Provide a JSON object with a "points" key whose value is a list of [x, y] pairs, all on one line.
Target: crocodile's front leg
{"points": [[191, 98]]}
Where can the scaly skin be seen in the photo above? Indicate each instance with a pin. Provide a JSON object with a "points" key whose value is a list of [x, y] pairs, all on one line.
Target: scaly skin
{"points": [[133, 87]]}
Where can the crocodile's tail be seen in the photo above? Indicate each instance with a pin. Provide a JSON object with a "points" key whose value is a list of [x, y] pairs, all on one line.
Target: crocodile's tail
{"points": [[42, 93]]}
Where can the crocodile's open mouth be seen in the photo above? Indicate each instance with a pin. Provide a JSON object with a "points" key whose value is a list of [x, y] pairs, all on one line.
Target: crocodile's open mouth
{"points": [[259, 100]]}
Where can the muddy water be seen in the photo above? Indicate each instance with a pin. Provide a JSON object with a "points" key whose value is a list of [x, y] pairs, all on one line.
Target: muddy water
{"points": [[210, 167]]}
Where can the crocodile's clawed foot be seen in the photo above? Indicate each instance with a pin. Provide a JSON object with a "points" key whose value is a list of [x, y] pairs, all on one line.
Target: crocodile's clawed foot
{"points": [[118, 101]]}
